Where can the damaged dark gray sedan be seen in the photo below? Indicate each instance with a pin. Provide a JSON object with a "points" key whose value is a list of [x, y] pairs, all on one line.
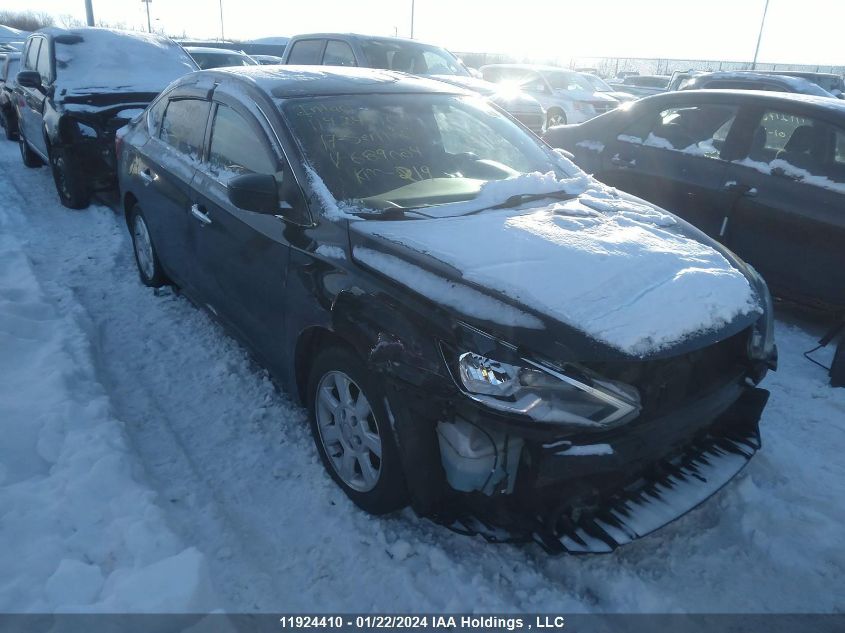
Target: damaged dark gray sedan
{"points": [[477, 327]]}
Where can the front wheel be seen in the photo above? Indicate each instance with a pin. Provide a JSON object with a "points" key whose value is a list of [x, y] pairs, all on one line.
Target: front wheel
{"points": [[30, 158], [70, 185], [352, 431], [149, 267], [555, 117]]}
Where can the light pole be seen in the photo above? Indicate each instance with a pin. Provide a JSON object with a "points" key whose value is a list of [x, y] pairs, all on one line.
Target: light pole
{"points": [[89, 13], [412, 19], [760, 36], [149, 24], [222, 36]]}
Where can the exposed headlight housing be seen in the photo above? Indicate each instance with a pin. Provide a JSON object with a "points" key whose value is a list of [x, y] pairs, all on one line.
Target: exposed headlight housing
{"points": [[571, 397], [761, 345]]}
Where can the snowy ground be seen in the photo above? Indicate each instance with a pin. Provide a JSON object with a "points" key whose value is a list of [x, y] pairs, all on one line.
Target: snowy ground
{"points": [[140, 447]]}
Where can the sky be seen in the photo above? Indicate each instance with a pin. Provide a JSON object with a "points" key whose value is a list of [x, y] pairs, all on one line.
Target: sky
{"points": [[797, 31]]}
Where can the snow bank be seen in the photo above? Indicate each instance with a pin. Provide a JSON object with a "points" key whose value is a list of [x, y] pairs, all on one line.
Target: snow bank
{"points": [[78, 531], [619, 274]]}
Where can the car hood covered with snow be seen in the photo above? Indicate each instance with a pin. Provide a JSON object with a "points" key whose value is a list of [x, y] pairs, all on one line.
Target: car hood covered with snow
{"points": [[629, 276]]}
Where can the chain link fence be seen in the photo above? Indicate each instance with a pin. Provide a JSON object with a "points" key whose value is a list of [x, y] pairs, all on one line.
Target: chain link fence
{"points": [[612, 66]]}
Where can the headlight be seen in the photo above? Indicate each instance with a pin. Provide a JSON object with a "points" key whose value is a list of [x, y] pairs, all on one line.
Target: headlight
{"points": [[761, 346], [570, 398]]}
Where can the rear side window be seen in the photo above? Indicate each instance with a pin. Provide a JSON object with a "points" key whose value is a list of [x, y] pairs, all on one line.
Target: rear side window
{"points": [[155, 116], [183, 126], [236, 148], [338, 54], [306, 52]]}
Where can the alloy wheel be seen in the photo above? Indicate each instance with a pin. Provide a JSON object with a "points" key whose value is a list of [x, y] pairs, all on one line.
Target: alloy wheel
{"points": [[143, 247], [348, 431]]}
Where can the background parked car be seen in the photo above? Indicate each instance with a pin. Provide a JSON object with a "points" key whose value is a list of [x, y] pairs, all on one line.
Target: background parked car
{"points": [[267, 60], [9, 67], [760, 171], [642, 85], [747, 80], [832, 83], [600, 85], [465, 394], [76, 88], [410, 56], [566, 95], [207, 57]]}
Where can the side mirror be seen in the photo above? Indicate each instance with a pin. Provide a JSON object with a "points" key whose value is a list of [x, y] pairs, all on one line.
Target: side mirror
{"points": [[29, 79], [254, 192]]}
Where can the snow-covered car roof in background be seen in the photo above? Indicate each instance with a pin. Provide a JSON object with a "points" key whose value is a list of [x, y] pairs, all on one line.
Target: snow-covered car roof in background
{"points": [[776, 98], [97, 60], [214, 51], [798, 84], [300, 81]]}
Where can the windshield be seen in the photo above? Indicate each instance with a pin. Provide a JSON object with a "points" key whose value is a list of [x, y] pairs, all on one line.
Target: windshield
{"points": [[221, 60], [598, 83], [411, 150], [101, 60], [561, 80], [417, 59]]}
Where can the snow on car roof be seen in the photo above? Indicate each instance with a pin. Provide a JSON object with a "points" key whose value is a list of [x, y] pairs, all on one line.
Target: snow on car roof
{"points": [[96, 60], [214, 51], [298, 81]]}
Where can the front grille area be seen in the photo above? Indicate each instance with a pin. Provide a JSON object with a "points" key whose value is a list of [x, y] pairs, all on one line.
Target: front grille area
{"points": [[603, 106]]}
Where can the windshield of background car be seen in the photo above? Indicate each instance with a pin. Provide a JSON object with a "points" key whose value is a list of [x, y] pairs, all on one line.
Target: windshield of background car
{"points": [[412, 58], [411, 149], [105, 61], [598, 83], [221, 60], [567, 81]]}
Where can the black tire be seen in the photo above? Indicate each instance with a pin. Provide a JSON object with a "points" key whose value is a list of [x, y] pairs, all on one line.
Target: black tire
{"points": [[30, 158], [11, 128], [389, 492], [70, 184], [149, 267], [555, 116]]}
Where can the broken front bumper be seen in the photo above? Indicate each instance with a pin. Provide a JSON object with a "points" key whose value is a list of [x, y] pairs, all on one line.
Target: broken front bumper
{"points": [[636, 503]]}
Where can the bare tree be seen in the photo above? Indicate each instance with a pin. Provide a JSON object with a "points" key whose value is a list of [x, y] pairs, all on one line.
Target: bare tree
{"points": [[68, 21], [26, 20]]}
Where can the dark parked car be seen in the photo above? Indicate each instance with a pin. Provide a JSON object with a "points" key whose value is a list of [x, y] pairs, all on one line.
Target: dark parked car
{"points": [[9, 65], [389, 248], [832, 83], [207, 57], [748, 80], [76, 88], [642, 85], [411, 56], [762, 172]]}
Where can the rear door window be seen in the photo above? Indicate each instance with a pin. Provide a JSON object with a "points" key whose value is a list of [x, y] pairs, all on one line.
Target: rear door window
{"points": [[338, 54], [307, 52], [183, 126], [236, 148]]}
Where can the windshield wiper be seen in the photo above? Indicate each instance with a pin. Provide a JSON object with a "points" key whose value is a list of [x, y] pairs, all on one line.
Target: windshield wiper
{"points": [[522, 198]]}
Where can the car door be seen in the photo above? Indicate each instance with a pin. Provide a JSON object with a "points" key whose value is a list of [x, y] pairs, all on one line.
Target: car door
{"points": [[30, 100], [676, 160], [166, 167], [791, 223], [241, 256]]}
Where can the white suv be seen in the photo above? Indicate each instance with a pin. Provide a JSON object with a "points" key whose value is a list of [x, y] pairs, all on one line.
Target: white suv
{"points": [[566, 95]]}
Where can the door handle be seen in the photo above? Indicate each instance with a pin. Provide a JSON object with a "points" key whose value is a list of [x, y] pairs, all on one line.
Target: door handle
{"points": [[621, 162], [740, 189], [146, 176], [200, 215]]}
